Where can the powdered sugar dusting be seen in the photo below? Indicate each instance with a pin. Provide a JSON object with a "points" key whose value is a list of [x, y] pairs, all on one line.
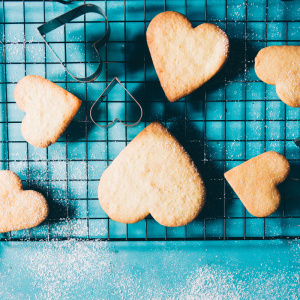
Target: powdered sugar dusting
{"points": [[207, 283], [64, 267], [217, 283], [104, 270]]}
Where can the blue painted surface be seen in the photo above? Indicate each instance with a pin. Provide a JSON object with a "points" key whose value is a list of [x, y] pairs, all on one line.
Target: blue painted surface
{"points": [[150, 270], [158, 270]]}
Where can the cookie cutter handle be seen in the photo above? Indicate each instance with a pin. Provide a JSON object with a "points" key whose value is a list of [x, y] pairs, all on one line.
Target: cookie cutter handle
{"points": [[105, 94], [68, 17]]}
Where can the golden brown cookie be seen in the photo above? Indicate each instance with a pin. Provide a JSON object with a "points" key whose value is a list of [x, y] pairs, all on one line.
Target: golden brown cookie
{"points": [[280, 66], [49, 110], [19, 209], [255, 182], [185, 57], [153, 174]]}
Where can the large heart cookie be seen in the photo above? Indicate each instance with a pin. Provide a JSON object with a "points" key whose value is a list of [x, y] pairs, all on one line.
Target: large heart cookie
{"points": [[280, 66], [19, 209], [153, 174], [49, 110], [255, 182], [185, 57]]}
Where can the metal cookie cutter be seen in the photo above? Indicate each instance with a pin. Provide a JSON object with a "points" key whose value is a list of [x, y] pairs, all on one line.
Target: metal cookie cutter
{"points": [[63, 2], [104, 94], [68, 17]]}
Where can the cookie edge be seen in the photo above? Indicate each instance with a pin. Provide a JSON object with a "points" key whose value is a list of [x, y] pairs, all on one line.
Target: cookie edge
{"points": [[202, 201], [20, 103], [287, 164], [19, 186], [150, 32]]}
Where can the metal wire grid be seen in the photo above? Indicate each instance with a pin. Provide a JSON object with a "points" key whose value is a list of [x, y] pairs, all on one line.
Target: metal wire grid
{"points": [[223, 217]]}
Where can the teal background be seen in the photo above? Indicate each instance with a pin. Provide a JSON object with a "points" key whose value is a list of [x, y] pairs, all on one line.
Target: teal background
{"points": [[150, 270], [232, 118]]}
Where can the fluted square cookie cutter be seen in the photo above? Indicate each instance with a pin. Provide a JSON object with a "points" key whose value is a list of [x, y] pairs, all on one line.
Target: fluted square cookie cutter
{"points": [[105, 94], [68, 17]]}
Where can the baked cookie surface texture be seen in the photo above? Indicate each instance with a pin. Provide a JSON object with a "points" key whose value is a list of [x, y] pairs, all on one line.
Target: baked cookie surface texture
{"points": [[155, 175], [49, 110], [255, 182], [185, 57], [19, 209], [280, 66]]}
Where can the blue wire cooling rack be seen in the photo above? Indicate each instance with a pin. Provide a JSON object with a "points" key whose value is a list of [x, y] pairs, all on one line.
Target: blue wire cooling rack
{"points": [[232, 118]]}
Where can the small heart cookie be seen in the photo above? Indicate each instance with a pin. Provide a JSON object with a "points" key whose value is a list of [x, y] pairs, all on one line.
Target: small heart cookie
{"points": [[255, 182], [280, 66], [185, 57], [19, 209], [153, 174], [49, 110]]}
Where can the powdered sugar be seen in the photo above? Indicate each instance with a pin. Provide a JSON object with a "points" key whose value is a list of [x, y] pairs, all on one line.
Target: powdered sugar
{"points": [[103, 270], [60, 268]]}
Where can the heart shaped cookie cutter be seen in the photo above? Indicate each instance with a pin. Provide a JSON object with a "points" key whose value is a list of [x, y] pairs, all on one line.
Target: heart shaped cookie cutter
{"points": [[68, 17], [105, 94], [63, 2]]}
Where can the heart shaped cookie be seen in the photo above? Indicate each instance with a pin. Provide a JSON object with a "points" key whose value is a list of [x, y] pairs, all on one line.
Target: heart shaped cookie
{"points": [[280, 66], [185, 57], [19, 209], [49, 110], [153, 174], [255, 182]]}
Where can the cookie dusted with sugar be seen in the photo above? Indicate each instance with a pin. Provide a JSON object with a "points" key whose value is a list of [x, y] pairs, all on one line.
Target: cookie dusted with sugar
{"points": [[185, 57], [255, 182], [19, 209], [49, 110], [155, 175], [280, 66]]}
